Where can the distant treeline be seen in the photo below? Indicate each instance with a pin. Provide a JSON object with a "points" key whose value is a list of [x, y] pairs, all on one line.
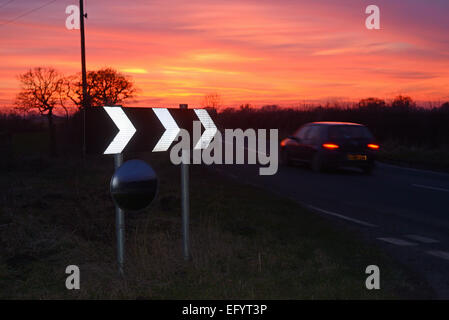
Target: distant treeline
{"points": [[400, 120], [14, 122], [68, 130]]}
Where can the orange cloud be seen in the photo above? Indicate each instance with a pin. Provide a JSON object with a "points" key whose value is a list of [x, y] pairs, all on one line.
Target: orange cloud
{"points": [[247, 51]]}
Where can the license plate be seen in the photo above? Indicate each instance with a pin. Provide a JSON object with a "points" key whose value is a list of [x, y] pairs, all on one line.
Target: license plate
{"points": [[361, 157]]}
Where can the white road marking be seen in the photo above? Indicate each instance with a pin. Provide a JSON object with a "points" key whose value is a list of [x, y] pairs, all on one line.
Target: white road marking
{"points": [[363, 223], [398, 242], [439, 254], [421, 238], [430, 188]]}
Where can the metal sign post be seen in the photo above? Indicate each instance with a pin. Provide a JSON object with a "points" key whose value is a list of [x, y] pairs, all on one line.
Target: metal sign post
{"points": [[185, 199], [119, 223]]}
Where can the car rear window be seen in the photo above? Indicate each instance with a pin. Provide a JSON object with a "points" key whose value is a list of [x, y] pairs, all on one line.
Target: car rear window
{"points": [[349, 132]]}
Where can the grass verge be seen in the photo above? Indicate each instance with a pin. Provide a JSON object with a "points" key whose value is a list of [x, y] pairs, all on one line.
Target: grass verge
{"points": [[415, 156], [246, 243]]}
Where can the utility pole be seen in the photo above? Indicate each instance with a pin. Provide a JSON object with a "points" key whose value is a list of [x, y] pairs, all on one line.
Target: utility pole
{"points": [[84, 102]]}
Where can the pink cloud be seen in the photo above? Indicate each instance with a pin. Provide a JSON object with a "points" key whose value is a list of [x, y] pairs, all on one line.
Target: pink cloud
{"points": [[248, 51]]}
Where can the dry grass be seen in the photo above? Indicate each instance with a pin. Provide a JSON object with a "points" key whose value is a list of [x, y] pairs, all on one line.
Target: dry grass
{"points": [[246, 243]]}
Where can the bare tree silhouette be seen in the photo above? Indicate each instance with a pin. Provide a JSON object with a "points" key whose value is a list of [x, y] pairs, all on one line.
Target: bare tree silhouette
{"points": [[104, 87], [41, 89], [403, 103], [212, 100], [371, 103]]}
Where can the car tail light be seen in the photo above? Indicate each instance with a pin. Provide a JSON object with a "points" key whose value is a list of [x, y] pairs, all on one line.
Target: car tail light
{"points": [[283, 143], [330, 146], [373, 146]]}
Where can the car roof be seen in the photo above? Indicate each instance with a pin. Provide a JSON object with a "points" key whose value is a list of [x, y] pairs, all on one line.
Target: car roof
{"points": [[336, 123]]}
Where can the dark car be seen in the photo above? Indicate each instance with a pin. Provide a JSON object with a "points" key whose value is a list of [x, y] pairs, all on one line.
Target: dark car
{"points": [[331, 145]]}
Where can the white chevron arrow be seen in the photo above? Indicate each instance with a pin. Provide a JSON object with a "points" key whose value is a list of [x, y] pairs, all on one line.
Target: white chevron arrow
{"points": [[171, 129], [125, 126], [210, 127]]}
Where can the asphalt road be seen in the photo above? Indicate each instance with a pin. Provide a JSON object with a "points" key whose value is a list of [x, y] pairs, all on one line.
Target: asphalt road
{"points": [[405, 211]]}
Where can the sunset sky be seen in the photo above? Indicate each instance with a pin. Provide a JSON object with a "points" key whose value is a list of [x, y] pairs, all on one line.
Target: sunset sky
{"points": [[249, 51]]}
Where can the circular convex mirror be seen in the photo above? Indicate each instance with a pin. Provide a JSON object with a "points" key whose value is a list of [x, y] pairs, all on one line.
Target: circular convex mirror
{"points": [[134, 185]]}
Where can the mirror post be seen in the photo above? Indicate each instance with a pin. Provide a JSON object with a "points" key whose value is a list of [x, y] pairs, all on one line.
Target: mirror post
{"points": [[119, 223], [185, 203], [185, 199]]}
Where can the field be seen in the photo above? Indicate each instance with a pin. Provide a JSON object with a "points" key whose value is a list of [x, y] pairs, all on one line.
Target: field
{"points": [[246, 243], [408, 135], [415, 156]]}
